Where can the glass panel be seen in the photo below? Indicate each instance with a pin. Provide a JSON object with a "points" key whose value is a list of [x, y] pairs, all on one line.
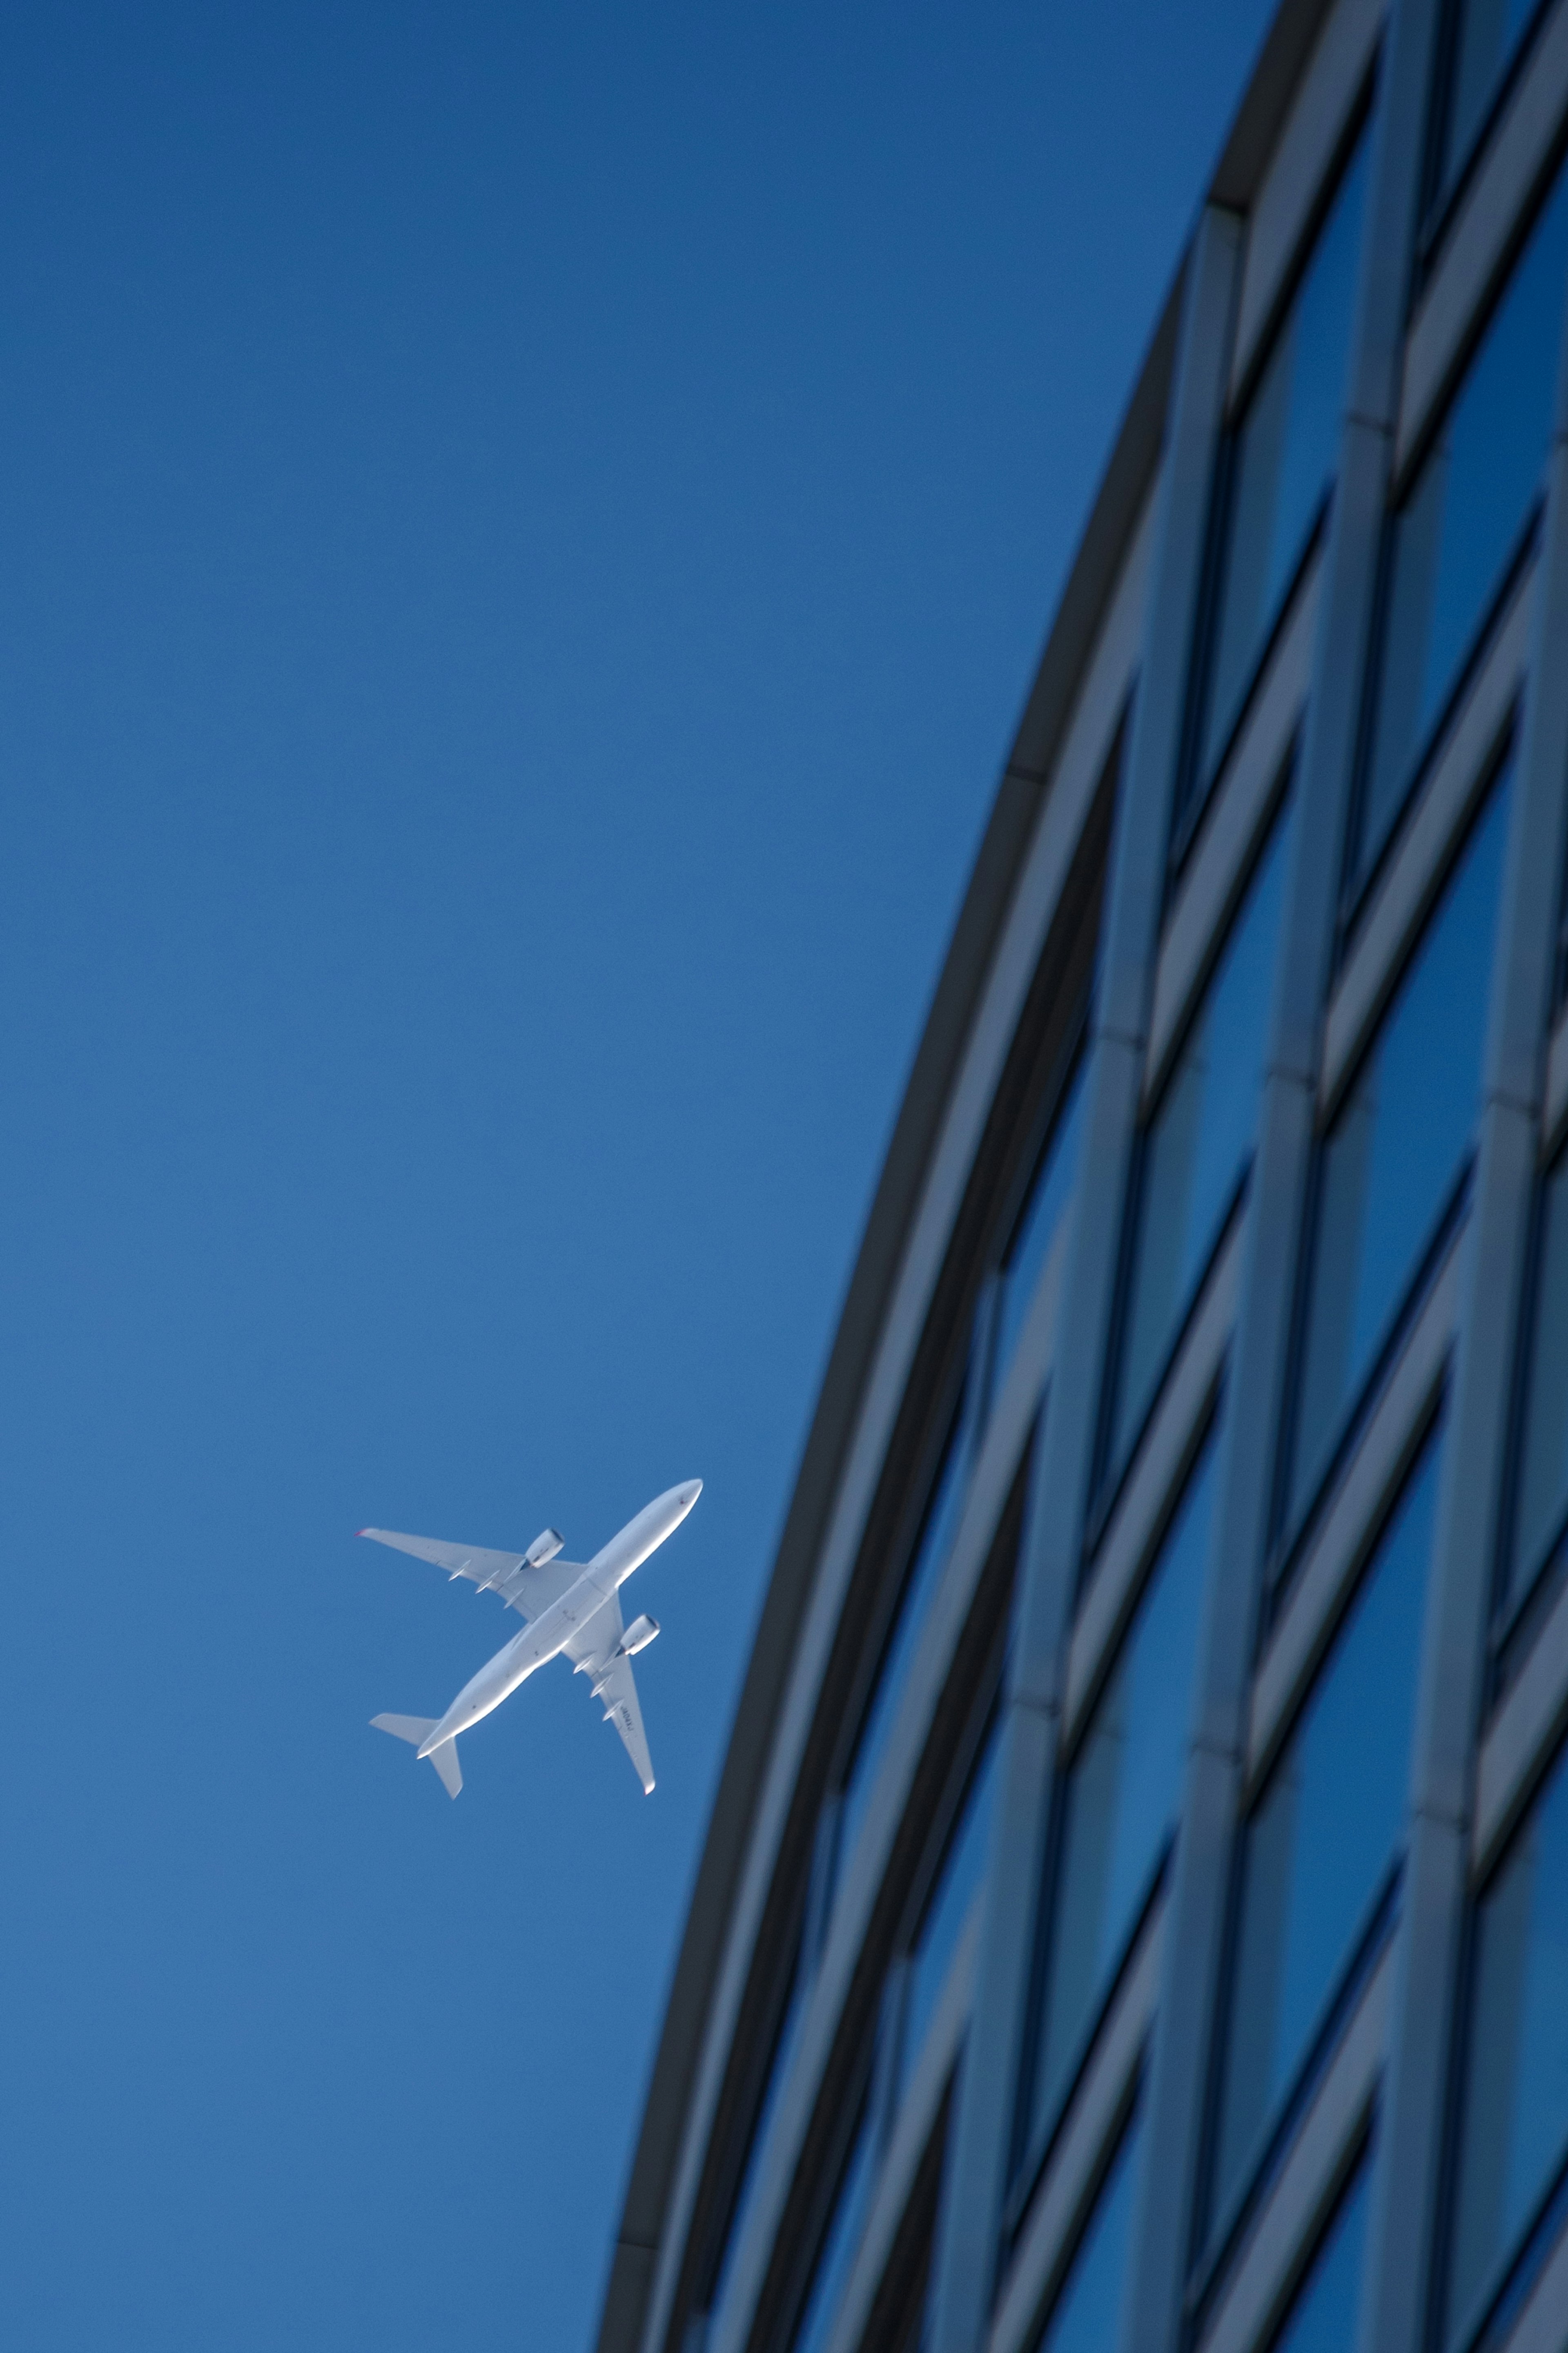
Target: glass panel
{"points": [[1397, 1145], [1283, 458], [1322, 1835], [1454, 536], [1123, 1790], [1323, 2316], [1041, 1222], [1198, 1144], [946, 1915], [1087, 2314], [919, 1590], [778, 2075], [841, 2240], [1542, 1498], [1485, 38], [1515, 2118]]}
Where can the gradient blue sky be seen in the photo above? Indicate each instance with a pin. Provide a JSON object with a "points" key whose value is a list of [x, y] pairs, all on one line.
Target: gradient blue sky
{"points": [[525, 533]]}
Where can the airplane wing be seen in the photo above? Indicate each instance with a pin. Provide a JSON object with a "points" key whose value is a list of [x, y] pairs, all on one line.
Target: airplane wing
{"points": [[522, 1586], [593, 1652], [618, 1691]]}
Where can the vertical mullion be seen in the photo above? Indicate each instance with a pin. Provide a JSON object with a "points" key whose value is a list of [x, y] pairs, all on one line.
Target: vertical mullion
{"points": [[965, 2263], [1454, 1652], [1181, 2054]]}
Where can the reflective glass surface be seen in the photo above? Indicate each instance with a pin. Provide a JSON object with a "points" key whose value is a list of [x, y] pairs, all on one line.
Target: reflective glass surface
{"points": [[1397, 1145], [1123, 1792], [1514, 2122], [1486, 34], [920, 1586], [1543, 1499], [958, 1882], [1282, 459], [1323, 2316], [1321, 1837], [1087, 2315], [1040, 1224], [1198, 1144], [1462, 520], [778, 2075], [841, 2240]]}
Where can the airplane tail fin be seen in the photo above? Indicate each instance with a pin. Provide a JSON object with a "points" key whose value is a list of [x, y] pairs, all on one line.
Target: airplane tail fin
{"points": [[413, 1729]]}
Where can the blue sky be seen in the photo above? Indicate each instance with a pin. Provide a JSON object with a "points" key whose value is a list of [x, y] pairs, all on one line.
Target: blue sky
{"points": [[525, 533]]}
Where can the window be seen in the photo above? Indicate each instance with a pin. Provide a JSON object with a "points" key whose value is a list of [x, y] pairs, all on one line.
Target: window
{"points": [[1196, 1148], [1119, 1800], [1398, 1144], [1323, 2318], [1087, 2314], [920, 1582], [777, 2077], [1514, 2115], [947, 1912], [1040, 1223], [1484, 38], [1454, 536], [1280, 462], [841, 2240], [1317, 1847], [1541, 1508]]}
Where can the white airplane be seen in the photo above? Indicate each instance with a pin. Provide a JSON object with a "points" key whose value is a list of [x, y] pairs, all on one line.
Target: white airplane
{"points": [[569, 1607]]}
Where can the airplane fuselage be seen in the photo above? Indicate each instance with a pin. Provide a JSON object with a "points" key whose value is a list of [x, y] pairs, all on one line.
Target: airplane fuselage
{"points": [[546, 1636]]}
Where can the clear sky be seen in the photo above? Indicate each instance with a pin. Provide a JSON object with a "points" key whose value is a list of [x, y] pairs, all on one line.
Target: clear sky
{"points": [[525, 529]]}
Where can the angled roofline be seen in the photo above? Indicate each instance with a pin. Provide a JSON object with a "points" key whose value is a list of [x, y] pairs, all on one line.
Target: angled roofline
{"points": [[1133, 462]]}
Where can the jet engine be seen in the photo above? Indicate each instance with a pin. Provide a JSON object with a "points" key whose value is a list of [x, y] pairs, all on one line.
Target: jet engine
{"points": [[545, 1547], [637, 1637]]}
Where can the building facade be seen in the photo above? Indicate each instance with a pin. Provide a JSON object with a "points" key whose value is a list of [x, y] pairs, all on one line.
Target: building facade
{"points": [[1135, 1912]]}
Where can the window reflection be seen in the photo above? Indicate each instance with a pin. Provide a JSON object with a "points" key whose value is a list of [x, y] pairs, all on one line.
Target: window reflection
{"points": [[1040, 1225], [779, 2065], [1542, 1504], [1397, 1145], [1514, 2121], [1321, 1838], [1197, 1146], [1456, 531], [841, 2240], [1282, 459], [920, 1582], [1121, 1798], [947, 1912], [1486, 35], [1087, 2314], [1323, 2316]]}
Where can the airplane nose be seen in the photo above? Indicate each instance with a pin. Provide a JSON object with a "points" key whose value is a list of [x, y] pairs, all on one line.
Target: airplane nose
{"points": [[690, 1492]]}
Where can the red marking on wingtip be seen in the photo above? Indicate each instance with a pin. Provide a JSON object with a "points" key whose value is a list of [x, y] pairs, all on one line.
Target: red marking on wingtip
{"points": [[361, 1532]]}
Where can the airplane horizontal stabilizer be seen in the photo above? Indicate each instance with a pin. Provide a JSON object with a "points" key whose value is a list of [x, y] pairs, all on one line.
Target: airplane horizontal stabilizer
{"points": [[411, 1728], [415, 1729]]}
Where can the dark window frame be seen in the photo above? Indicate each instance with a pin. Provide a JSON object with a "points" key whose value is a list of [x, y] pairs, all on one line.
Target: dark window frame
{"points": [[1290, 1530], [1513, 1615], [1359, 881], [1193, 793], [1029, 2152], [1125, 2119], [1219, 2227], [1220, 2233], [1442, 199], [1109, 1478], [1494, 2309]]}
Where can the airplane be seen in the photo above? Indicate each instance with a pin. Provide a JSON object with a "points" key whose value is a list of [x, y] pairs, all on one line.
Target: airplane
{"points": [[569, 1606]]}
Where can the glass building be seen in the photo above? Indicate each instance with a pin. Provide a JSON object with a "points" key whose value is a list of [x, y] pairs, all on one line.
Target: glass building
{"points": [[1134, 1918]]}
